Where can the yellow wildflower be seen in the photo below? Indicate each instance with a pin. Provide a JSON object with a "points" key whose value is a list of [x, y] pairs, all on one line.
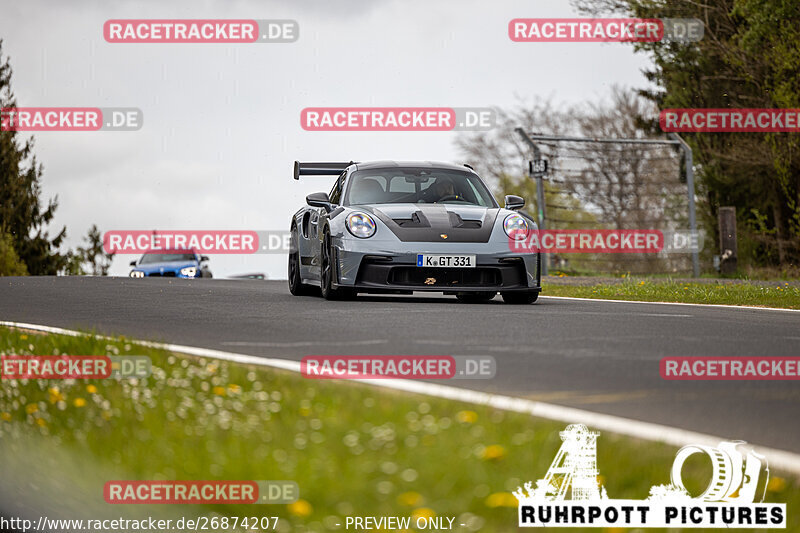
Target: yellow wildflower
{"points": [[776, 484], [409, 498], [500, 499], [493, 452], [422, 512], [467, 417], [300, 508]]}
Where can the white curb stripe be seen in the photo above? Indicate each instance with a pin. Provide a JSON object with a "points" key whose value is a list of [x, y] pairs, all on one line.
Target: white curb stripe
{"points": [[780, 459], [723, 306]]}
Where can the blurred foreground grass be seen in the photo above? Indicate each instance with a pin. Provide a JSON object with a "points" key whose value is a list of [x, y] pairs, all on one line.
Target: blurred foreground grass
{"points": [[780, 294], [354, 450]]}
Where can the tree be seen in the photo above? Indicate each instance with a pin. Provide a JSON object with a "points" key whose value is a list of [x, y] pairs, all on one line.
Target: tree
{"points": [[22, 216], [748, 58], [94, 255], [91, 260], [10, 265]]}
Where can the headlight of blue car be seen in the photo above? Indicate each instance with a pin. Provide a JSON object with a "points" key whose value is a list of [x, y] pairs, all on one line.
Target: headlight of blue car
{"points": [[137, 274], [361, 225], [189, 272]]}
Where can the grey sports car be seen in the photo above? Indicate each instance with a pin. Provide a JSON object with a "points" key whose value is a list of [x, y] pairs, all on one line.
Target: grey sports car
{"points": [[400, 227]]}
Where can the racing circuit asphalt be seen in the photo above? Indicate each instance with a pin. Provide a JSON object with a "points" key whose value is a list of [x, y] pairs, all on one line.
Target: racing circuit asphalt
{"points": [[594, 355]]}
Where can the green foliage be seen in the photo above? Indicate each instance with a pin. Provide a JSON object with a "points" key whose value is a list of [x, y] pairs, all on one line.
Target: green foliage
{"points": [[781, 295], [21, 213], [91, 259], [10, 264], [25, 246], [748, 58]]}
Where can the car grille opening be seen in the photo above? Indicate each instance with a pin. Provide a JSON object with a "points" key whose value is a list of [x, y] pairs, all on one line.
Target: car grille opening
{"points": [[444, 277]]}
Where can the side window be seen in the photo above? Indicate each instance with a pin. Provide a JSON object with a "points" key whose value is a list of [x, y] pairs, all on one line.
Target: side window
{"points": [[472, 194], [336, 193]]}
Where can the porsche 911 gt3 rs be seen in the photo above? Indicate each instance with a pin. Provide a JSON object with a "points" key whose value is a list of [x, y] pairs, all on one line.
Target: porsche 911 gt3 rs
{"points": [[401, 227]]}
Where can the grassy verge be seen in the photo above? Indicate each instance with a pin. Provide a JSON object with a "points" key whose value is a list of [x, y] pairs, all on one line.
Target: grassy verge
{"points": [[780, 295], [354, 450]]}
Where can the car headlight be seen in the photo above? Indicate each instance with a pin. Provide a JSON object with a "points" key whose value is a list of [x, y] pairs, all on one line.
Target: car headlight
{"points": [[189, 272], [515, 226], [361, 225], [137, 274]]}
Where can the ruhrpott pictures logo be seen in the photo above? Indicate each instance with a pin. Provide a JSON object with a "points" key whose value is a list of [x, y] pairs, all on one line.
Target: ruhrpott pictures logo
{"points": [[739, 478]]}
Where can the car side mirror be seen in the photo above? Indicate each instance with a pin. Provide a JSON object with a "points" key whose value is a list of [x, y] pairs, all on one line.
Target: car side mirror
{"points": [[133, 263], [320, 199], [514, 203], [203, 258]]}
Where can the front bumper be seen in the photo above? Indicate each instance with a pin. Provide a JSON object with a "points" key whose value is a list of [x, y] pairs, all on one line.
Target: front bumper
{"points": [[381, 270], [506, 275], [167, 274]]}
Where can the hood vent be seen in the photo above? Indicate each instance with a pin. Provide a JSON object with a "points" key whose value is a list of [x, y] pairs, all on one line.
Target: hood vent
{"points": [[457, 222], [426, 222], [417, 220]]}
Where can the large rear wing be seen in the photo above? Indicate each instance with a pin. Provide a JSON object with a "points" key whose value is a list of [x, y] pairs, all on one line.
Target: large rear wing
{"points": [[319, 169]]}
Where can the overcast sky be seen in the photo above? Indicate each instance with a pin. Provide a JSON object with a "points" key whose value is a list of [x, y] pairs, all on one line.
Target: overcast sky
{"points": [[221, 121]]}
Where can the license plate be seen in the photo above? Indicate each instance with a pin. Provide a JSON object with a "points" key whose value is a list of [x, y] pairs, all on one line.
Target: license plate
{"points": [[446, 261]]}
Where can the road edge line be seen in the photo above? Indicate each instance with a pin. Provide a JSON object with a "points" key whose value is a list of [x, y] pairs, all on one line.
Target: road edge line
{"points": [[723, 306]]}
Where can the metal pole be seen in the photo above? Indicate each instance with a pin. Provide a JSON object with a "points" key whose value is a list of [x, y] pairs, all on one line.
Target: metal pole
{"points": [[689, 163], [535, 137], [728, 248], [540, 201], [540, 197]]}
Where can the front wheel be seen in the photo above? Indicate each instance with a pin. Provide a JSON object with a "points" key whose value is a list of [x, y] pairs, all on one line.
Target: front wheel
{"points": [[326, 274], [519, 298], [296, 285]]}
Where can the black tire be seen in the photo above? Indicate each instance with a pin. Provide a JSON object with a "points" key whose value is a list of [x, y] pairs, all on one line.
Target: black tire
{"points": [[519, 298], [475, 297], [296, 286], [326, 274]]}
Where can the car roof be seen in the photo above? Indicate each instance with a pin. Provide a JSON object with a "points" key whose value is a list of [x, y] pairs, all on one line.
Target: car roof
{"points": [[171, 251], [415, 164]]}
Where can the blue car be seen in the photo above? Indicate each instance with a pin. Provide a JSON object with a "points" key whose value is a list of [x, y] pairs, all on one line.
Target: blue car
{"points": [[176, 264]]}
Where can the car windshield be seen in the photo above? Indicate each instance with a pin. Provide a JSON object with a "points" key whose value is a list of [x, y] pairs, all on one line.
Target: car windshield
{"points": [[165, 258], [417, 185]]}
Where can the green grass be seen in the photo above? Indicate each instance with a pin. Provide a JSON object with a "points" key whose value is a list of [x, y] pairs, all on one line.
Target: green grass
{"points": [[780, 295], [352, 448]]}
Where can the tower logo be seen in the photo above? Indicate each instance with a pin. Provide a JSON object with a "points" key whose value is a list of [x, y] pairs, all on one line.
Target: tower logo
{"points": [[570, 494]]}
